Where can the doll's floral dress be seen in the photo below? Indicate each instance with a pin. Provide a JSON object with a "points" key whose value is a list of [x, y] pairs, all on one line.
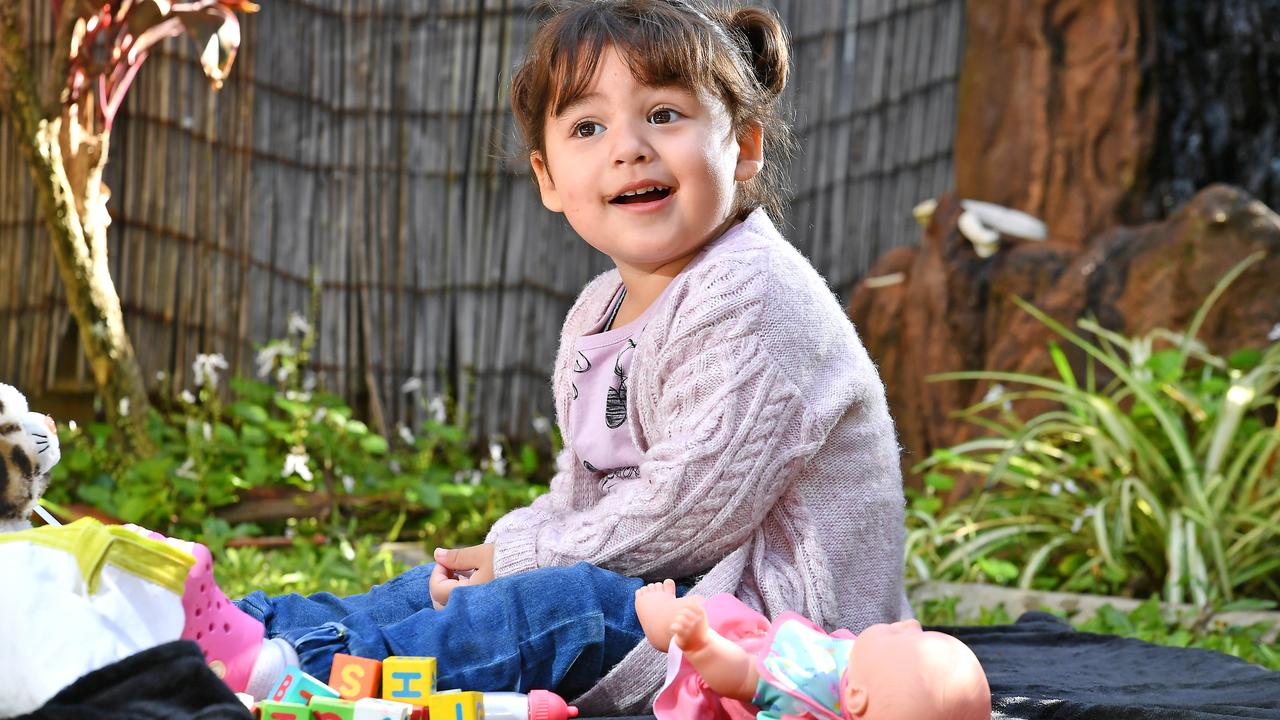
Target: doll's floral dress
{"points": [[800, 669]]}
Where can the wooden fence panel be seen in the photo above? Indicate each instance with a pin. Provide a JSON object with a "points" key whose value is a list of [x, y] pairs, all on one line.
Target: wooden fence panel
{"points": [[370, 141]]}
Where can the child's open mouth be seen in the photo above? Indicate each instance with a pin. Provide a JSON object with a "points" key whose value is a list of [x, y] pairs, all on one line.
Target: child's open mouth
{"points": [[651, 195]]}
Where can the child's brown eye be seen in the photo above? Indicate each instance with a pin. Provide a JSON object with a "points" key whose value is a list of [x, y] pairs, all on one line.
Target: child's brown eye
{"points": [[663, 116], [585, 129]]}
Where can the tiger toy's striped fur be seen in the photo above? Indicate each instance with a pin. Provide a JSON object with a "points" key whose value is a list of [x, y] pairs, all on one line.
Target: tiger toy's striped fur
{"points": [[28, 450]]}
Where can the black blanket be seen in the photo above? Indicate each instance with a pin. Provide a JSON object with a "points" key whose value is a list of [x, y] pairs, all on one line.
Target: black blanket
{"points": [[167, 682], [1039, 669]]}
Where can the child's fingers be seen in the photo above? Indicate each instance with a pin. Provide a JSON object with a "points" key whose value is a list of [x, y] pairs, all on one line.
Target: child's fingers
{"points": [[476, 557], [441, 586]]}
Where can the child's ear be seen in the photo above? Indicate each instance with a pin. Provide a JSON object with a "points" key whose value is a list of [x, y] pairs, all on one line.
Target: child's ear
{"points": [[853, 700], [750, 153], [546, 186]]}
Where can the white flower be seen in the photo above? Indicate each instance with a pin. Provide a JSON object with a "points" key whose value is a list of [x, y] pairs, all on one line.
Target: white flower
{"points": [[296, 464], [207, 431], [301, 397], [1274, 335], [124, 407], [320, 414], [283, 373], [995, 392], [187, 397], [289, 532], [310, 381], [1079, 521], [298, 325], [476, 477], [405, 435], [206, 368], [412, 385], [348, 483], [266, 357], [459, 477], [1071, 487], [437, 409], [496, 461], [541, 425], [1055, 488], [160, 376], [187, 469], [71, 425]]}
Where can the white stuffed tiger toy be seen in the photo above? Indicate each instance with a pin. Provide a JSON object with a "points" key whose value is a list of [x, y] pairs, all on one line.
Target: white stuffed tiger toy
{"points": [[28, 450]]}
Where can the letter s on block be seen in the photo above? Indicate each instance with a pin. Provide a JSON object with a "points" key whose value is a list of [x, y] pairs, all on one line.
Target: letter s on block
{"points": [[352, 677]]}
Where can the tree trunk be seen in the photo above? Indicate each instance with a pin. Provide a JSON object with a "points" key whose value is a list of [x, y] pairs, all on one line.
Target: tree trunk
{"points": [[66, 155]]}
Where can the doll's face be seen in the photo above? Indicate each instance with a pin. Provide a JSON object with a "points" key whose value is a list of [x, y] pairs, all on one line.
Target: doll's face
{"points": [[899, 672]]}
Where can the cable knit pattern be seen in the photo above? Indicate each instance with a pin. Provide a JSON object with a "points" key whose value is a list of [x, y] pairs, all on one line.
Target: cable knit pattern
{"points": [[770, 465]]}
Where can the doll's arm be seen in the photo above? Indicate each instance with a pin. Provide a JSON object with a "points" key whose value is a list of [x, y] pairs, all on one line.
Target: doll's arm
{"points": [[724, 666]]}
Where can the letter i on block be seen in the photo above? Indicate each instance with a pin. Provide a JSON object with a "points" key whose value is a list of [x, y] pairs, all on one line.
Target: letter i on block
{"points": [[299, 687], [457, 706], [268, 710], [355, 677], [408, 679]]}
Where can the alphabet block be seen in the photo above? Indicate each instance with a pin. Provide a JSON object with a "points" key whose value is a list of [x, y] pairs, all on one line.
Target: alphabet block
{"points": [[323, 708], [457, 706], [375, 709], [355, 677], [269, 710], [299, 687], [408, 679]]}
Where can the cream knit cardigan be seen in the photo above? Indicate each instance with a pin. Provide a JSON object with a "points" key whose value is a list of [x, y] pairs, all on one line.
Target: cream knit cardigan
{"points": [[770, 464]]}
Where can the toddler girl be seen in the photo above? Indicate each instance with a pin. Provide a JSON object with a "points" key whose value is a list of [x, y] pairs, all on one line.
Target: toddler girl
{"points": [[723, 424]]}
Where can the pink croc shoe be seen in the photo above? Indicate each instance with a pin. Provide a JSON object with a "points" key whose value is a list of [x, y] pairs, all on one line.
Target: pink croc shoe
{"points": [[230, 638]]}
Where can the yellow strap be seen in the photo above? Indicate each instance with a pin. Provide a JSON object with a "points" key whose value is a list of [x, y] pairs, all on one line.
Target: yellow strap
{"points": [[94, 545]]}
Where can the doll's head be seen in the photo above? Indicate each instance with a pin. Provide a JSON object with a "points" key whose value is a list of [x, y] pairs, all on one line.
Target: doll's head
{"points": [[616, 96], [900, 672]]}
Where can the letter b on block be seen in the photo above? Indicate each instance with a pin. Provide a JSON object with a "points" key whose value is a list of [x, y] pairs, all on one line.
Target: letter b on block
{"points": [[408, 679], [355, 677]]}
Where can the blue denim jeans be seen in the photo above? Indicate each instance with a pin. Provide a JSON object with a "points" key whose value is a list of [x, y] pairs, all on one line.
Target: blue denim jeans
{"points": [[553, 628]]}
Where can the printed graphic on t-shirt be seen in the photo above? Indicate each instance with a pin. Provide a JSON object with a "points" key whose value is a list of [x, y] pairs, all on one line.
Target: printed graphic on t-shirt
{"points": [[615, 405], [581, 364]]}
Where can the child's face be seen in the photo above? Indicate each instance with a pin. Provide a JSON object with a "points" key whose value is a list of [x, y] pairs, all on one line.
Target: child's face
{"points": [[623, 133]]}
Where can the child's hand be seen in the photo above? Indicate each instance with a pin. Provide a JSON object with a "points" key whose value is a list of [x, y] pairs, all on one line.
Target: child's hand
{"points": [[457, 567]]}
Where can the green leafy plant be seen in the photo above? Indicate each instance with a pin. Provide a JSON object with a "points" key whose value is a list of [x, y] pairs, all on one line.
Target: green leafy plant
{"points": [[1163, 477], [284, 440]]}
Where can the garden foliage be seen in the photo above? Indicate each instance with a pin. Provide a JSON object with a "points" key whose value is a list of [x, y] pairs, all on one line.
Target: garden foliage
{"points": [[280, 436], [1154, 470]]}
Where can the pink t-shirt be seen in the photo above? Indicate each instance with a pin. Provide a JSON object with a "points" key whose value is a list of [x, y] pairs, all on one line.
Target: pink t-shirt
{"points": [[598, 397]]}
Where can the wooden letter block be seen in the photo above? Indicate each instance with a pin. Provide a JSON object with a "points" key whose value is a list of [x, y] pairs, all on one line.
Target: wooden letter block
{"points": [[323, 708], [457, 706], [408, 679], [268, 710], [299, 687], [355, 677], [374, 709]]}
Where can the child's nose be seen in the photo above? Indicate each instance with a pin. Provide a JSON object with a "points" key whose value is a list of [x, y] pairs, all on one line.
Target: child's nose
{"points": [[630, 146]]}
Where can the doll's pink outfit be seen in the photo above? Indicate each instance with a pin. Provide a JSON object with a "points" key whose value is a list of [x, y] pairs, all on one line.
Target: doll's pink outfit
{"points": [[800, 669]]}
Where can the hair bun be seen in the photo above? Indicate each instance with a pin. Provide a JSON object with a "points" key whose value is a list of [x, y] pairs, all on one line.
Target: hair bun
{"points": [[767, 40]]}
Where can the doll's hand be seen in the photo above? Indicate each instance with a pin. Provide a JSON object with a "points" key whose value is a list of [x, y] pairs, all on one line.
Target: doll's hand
{"points": [[457, 567], [689, 628]]}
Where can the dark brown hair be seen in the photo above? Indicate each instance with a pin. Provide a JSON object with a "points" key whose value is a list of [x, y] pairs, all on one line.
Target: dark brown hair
{"points": [[738, 55]]}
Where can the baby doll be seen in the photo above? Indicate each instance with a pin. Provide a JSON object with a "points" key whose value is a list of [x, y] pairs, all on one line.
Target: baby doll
{"points": [[728, 662]]}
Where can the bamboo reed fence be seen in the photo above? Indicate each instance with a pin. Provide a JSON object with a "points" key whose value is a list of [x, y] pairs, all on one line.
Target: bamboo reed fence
{"points": [[371, 141]]}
